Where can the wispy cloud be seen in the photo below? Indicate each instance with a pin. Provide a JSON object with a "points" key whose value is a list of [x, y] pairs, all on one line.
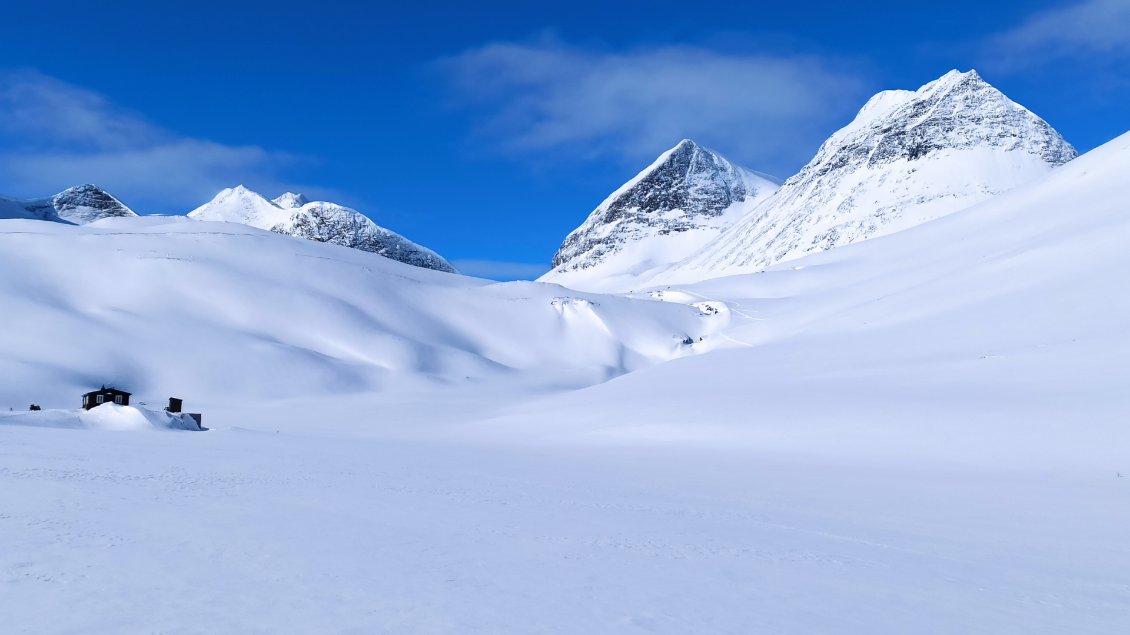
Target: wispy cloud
{"points": [[1079, 30], [54, 135], [767, 111], [500, 270]]}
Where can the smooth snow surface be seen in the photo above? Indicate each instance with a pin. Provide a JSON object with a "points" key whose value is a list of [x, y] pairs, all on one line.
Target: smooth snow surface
{"points": [[220, 309], [919, 433], [108, 416]]}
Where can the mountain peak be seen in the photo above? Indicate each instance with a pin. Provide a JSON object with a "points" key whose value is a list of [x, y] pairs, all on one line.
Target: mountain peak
{"points": [[957, 81], [684, 198], [241, 205], [86, 187], [892, 102], [241, 189], [87, 203], [907, 157], [291, 200], [957, 110], [241, 193], [955, 76], [685, 148]]}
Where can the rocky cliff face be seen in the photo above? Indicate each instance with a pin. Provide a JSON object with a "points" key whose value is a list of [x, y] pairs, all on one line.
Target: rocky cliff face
{"points": [[88, 203], [332, 223], [907, 158], [685, 198], [294, 215], [77, 205]]}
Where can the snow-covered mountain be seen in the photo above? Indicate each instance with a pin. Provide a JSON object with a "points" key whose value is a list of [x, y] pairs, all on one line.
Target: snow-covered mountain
{"points": [[907, 158], [686, 198], [295, 215], [77, 205], [290, 200]]}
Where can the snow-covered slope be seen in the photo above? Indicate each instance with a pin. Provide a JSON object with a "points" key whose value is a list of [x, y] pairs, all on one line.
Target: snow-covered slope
{"points": [[294, 215], [907, 158], [171, 305], [998, 334], [77, 205], [676, 205]]}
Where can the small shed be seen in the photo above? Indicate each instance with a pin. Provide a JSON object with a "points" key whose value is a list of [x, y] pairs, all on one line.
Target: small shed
{"points": [[175, 407], [103, 395]]}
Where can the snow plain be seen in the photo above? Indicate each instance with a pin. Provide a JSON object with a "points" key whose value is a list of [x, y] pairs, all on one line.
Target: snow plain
{"points": [[920, 433]]}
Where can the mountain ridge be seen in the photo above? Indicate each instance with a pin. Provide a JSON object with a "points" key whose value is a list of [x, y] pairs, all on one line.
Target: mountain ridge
{"points": [[322, 221], [908, 157]]}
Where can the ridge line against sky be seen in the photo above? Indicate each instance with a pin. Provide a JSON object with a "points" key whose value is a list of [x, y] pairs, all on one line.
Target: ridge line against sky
{"points": [[489, 143]]}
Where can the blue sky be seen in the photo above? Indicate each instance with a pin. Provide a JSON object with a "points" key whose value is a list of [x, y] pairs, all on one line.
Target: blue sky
{"points": [[489, 130]]}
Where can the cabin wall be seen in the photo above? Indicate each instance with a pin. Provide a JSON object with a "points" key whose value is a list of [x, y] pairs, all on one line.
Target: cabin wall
{"points": [[107, 397]]}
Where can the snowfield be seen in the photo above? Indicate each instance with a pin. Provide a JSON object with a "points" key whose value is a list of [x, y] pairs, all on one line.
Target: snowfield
{"points": [[166, 306], [918, 433], [107, 416], [313, 520]]}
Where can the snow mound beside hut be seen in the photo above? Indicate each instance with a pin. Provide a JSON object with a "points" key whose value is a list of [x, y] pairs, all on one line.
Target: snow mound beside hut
{"points": [[108, 416]]}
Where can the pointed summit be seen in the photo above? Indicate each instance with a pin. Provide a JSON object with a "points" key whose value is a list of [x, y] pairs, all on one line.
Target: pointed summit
{"points": [[291, 200], [957, 110], [955, 77], [241, 205], [687, 196], [75, 205], [239, 190], [908, 157], [238, 193], [88, 203]]}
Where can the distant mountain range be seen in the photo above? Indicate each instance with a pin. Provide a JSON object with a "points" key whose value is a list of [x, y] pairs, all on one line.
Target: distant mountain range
{"points": [[291, 214], [908, 157]]}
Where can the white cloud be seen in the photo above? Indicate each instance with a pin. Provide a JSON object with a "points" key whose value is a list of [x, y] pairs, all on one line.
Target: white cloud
{"points": [[769, 112], [54, 135], [1082, 29], [500, 270]]}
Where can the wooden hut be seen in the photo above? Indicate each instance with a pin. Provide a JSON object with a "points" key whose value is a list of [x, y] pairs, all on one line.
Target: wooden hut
{"points": [[103, 395]]}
